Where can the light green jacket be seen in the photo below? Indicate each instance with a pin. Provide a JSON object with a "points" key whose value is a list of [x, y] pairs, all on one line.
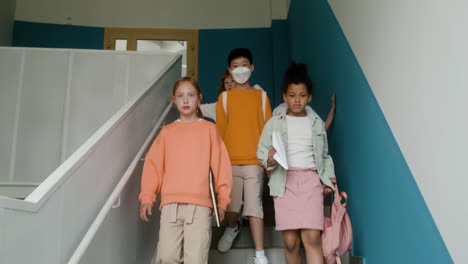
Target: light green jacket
{"points": [[324, 162]]}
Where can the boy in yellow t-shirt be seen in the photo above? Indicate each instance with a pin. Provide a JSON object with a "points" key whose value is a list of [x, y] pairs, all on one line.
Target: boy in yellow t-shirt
{"points": [[240, 126]]}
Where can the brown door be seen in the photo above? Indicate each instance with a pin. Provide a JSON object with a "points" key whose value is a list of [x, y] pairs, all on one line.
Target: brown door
{"points": [[184, 41]]}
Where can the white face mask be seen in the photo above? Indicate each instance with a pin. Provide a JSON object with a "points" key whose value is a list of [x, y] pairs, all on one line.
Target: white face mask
{"points": [[241, 74]]}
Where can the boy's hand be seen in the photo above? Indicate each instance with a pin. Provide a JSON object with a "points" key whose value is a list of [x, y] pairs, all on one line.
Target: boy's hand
{"points": [[146, 209], [221, 212], [271, 161], [327, 190]]}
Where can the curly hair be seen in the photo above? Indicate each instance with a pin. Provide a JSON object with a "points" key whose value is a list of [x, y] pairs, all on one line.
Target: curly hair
{"points": [[297, 73]]}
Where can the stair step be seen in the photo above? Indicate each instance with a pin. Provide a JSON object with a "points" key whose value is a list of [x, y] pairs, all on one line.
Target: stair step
{"points": [[272, 238], [356, 260], [241, 256], [275, 256]]}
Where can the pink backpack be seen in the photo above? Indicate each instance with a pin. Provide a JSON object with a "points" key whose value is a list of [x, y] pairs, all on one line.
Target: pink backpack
{"points": [[337, 234]]}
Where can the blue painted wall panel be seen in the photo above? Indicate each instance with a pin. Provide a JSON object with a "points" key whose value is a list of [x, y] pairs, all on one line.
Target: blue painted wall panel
{"points": [[391, 221], [215, 45], [281, 55], [30, 34]]}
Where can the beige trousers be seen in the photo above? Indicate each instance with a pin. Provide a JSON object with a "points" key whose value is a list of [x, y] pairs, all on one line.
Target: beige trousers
{"points": [[247, 188], [184, 235]]}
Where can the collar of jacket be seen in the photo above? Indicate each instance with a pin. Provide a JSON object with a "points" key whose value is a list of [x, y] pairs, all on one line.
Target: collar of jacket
{"points": [[311, 114]]}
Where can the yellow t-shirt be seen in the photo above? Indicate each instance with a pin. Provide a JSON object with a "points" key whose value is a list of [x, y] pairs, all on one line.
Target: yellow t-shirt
{"points": [[242, 127]]}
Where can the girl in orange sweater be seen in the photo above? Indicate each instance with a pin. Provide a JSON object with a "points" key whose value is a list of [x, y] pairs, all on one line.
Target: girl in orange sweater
{"points": [[177, 166]]}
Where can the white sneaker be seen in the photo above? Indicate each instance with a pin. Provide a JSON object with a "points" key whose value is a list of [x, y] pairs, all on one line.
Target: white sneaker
{"points": [[261, 260], [225, 243]]}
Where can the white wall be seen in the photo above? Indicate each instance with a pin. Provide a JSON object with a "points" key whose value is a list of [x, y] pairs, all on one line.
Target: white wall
{"points": [[186, 14], [50, 222], [7, 15], [279, 9], [53, 100], [414, 55]]}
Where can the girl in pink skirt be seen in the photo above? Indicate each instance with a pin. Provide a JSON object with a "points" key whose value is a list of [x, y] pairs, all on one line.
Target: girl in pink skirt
{"points": [[297, 184]]}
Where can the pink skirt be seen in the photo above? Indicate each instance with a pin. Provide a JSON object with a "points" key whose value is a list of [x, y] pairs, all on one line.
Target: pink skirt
{"points": [[301, 207]]}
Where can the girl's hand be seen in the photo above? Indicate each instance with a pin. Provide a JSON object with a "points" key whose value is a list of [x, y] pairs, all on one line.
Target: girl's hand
{"points": [[271, 161], [333, 101], [221, 212], [146, 209], [327, 190]]}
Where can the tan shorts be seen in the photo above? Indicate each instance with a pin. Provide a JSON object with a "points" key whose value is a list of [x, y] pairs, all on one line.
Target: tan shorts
{"points": [[184, 234], [247, 187]]}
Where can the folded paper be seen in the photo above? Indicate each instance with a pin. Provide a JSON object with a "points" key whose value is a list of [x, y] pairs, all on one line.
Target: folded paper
{"points": [[281, 154]]}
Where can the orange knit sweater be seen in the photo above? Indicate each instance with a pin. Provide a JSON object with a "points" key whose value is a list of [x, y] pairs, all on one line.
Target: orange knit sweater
{"points": [[242, 127], [177, 165]]}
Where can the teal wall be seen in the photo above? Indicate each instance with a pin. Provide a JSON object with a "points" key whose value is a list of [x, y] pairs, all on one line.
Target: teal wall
{"points": [[270, 49], [214, 47], [281, 55], [30, 34], [391, 221]]}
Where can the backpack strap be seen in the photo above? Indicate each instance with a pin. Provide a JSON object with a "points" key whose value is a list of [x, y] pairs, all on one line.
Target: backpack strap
{"points": [[264, 105], [225, 103]]}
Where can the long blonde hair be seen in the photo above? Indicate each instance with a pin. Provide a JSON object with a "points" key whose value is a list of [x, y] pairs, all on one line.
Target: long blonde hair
{"points": [[195, 84]]}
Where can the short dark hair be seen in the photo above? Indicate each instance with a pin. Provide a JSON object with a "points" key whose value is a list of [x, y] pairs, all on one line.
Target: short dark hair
{"points": [[239, 52], [297, 73]]}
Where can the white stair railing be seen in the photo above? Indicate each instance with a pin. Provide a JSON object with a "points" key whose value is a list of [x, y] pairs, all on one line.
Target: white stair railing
{"points": [[51, 221], [115, 195]]}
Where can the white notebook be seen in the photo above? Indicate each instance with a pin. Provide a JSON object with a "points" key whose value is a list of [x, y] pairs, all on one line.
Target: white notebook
{"points": [[213, 199], [281, 154]]}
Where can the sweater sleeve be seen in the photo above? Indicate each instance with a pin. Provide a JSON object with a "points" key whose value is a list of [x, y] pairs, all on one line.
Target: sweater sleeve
{"points": [[221, 118], [264, 146], [221, 168], [328, 166], [153, 171]]}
